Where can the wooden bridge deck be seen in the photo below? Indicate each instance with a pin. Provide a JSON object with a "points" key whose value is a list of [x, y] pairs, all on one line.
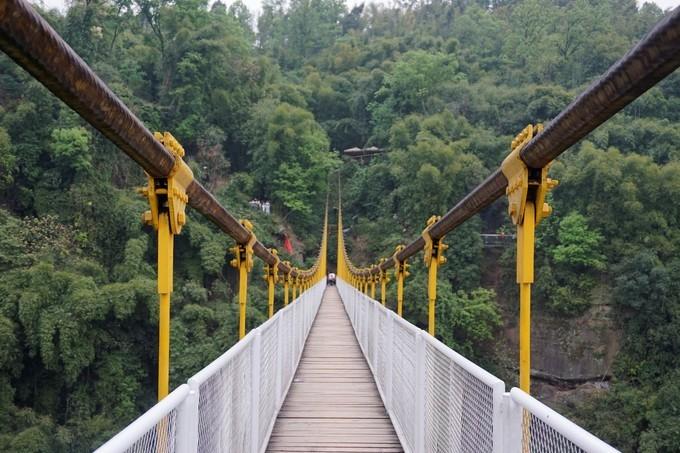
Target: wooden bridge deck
{"points": [[333, 404]]}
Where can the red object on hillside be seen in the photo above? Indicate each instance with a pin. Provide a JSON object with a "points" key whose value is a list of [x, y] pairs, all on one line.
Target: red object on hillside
{"points": [[287, 244]]}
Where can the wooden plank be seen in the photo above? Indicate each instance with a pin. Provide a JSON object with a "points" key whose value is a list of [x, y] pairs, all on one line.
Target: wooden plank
{"points": [[333, 405]]}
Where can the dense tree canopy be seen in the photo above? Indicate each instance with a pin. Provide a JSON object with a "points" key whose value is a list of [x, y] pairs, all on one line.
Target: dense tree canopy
{"points": [[264, 106]]}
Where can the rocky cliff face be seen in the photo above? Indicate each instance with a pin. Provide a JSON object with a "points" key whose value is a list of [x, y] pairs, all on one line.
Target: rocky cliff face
{"points": [[571, 349], [571, 357]]}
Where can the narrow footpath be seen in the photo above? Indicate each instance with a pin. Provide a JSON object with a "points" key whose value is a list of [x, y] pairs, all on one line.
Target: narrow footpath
{"points": [[333, 404]]}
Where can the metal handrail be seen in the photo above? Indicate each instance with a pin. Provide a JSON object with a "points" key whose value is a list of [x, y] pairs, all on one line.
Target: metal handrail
{"points": [[650, 61], [32, 43]]}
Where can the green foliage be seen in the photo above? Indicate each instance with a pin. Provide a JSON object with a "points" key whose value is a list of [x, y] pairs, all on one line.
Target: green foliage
{"points": [[301, 30], [7, 159], [291, 160], [70, 150], [467, 321], [578, 246], [441, 87], [413, 86]]}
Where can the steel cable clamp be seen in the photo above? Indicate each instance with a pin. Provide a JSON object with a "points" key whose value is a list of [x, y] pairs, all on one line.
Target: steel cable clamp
{"points": [[169, 193]]}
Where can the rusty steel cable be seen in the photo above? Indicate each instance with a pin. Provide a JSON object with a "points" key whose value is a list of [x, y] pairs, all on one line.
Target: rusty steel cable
{"points": [[35, 46], [650, 61]]}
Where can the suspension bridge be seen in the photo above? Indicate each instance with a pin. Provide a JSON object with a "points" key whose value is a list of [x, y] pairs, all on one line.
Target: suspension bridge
{"points": [[334, 370]]}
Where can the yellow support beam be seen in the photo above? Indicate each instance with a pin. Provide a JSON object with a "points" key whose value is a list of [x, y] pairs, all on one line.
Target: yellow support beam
{"points": [[433, 256], [400, 272], [296, 281], [167, 199], [287, 280], [271, 276], [242, 299], [525, 277], [527, 190], [243, 261], [383, 284], [165, 271], [431, 296]]}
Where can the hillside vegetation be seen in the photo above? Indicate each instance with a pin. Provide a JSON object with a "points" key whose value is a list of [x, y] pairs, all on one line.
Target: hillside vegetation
{"points": [[263, 107]]}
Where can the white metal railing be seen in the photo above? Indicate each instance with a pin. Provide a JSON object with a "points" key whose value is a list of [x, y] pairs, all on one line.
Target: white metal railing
{"points": [[439, 401], [230, 405]]}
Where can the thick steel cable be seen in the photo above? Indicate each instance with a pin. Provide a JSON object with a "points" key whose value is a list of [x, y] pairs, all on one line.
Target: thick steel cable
{"points": [[33, 44], [652, 59]]}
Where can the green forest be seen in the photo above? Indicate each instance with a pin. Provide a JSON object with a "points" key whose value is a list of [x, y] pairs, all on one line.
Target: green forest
{"points": [[264, 106]]}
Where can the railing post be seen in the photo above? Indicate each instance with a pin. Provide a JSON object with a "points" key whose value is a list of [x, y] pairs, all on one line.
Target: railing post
{"points": [[305, 310], [511, 426], [355, 297], [420, 393], [497, 417], [374, 333], [293, 337], [365, 307], [390, 360], [279, 359], [187, 422], [255, 389]]}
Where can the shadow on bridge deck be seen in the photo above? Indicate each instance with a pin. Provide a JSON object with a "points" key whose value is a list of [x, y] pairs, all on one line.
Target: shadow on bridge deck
{"points": [[333, 404]]}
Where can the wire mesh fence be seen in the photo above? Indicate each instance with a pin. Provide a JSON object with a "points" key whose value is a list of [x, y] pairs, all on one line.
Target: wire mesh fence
{"points": [[230, 405], [438, 400], [160, 438], [441, 402]]}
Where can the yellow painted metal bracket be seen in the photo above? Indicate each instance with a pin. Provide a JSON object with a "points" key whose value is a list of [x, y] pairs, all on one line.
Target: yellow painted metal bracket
{"points": [[384, 279], [287, 281], [433, 257], [527, 190], [296, 282], [271, 276], [169, 194], [243, 261], [524, 183], [167, 199], [373, 279], [400, 272]]}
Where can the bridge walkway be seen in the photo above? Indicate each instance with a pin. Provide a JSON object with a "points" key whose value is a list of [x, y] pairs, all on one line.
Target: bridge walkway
{"points": [[333, 404]]}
